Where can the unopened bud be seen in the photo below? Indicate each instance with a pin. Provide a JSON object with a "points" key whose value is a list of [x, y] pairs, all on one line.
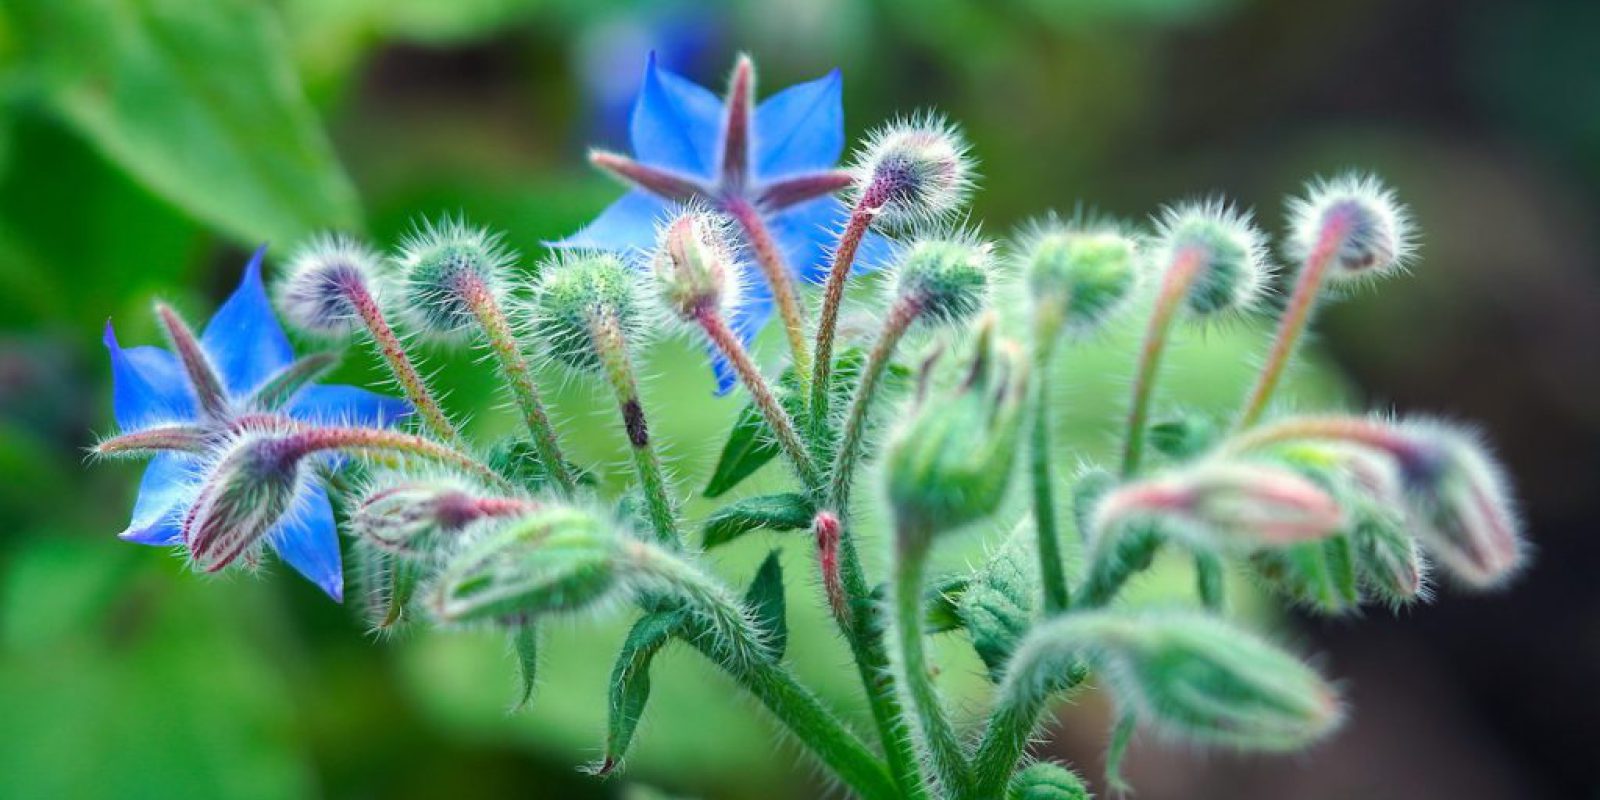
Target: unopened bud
{"points": [[443, 265], [1460, 506], [1229, 253], [1083, 273], [551, 560], [945, 279], [1360, 217], [1318, 576], [694, 264], [1389, 562], [1046, 781], [913, 172], [316, 295], [409, 516], [1212, 505], [951, 462], [574, 294]]}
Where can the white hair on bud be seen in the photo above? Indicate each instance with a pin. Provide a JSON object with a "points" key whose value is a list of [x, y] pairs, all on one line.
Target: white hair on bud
{"points": [[314, 294], [1235, 268], [437, 261], [719, 279], [1378, 236], [915, 170]]}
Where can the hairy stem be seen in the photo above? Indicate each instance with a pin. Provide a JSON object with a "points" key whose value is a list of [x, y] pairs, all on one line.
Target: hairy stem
{"points": [[778, 420], [938, 736], [1180, 276], [619, 374], [312, 439], [900, 319], [780, 280], [844, 257], [394, 354], [1307, 288], [1047, 326]]}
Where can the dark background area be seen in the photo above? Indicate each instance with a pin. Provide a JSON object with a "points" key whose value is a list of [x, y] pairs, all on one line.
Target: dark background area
{"points": [[122, 675]]}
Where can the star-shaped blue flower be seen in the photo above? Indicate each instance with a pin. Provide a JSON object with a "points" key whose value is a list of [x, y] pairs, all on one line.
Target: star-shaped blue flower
{"points": [[247, 348], [775, 162]]}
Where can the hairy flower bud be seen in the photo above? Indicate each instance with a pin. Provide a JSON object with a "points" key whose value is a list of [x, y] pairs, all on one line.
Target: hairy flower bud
{"points": [[1459, 504], [951, 462], [1229, 251], [913, 171], [550, 560], [316, 295], [1224, 505], [407, 516], [1389, 562], [575, 291], [1082, 272], [946, 279], [1046, 781], [1371, 229], [247, 488], [694, 264], [442, 264]]}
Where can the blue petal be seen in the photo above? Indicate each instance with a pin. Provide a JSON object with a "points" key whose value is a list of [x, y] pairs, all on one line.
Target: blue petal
{"points": [[243, 338], [147, 385], [306, 540], [808, 232], [625, 226], [348, 405], [676, 124], [800, 129], [164, 492], [746, 320]]}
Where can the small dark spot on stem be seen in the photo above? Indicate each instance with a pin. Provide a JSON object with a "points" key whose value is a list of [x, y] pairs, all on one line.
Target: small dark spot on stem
{"points": [[633, 419]]}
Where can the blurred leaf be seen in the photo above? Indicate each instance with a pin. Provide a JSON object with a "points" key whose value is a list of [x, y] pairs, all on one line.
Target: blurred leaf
{"points": [[525, 643], [778, 512], [200, 101]]}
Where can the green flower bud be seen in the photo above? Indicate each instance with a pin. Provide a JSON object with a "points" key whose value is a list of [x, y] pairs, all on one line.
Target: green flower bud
{"points": [[945, 279], [694, 264], [950, 463], [1082, 274], [1046, 781], [1388, 560], [1372, 230], [552, 560], [574, 291], [409, 516], [1230, 251], [441, 264]]}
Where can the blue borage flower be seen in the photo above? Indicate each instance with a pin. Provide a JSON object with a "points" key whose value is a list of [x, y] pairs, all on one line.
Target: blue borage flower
{"points": [[247, 348], [778, 162]]}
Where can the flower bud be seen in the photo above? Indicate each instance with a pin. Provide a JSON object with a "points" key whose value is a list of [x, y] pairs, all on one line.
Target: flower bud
{"points": [[913, 171], [573, 293], [694, 264], [316, 294], [1459, 505], [408, 516], [945, 279], [1229, 250], [1225, 505], [249, 486], [443, 264], [1373, 230], [1046, 781], [1389, 562], [1319, 576], [550, 560], [1083, 273], [951, 462]]}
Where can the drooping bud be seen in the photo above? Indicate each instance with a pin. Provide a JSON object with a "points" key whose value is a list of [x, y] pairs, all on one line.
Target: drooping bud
{"points": [[551, 560], [1212, 505], [913, 171], [574, 292], [1361, 217], [443, 265], [950, 463], [946, 279], [694, 264], [1459, 504], [316, 294], [408, 516], [1189, 674], [1389, 562], [1083, 272], [1226, 249], [1046, 781], [1319, 576], [245, 490]]}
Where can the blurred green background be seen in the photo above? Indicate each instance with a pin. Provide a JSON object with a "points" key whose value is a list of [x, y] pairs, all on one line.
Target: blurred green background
{"points": [[146, 144]]}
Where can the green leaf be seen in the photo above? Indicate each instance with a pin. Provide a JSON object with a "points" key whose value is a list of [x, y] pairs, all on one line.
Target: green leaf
{"points": [[525, 644], [778, 512], [766, 604], [630, 680], [199, 101]]}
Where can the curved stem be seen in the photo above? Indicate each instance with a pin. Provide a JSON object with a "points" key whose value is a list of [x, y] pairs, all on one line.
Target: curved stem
{"points": [[944, 747], [619, 374], [777, 418], [1356, 430], [1180, 276], [1051, 571], [780, 280], [519, 376], [309, 440], [1307, 288], [844, 257], [394, 354], [900, 319]]}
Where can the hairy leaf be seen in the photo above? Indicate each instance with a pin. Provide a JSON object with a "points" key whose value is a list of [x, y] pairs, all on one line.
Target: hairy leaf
{"points": [[777, 512], [766, 603]]}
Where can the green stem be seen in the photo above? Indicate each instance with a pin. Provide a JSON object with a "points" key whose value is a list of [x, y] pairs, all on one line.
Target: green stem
{"points": [[1180, 276], [943, 745], [518, 374], [1012, 724], [844, 257], [613, 351], [394, 354], [1051, 570], [780, 280], [778, 420], [899, 320], [311, 439], [1308, 287]]}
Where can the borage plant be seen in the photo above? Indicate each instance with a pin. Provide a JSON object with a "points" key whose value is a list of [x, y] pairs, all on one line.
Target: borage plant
{"points": [[734, 210]]}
